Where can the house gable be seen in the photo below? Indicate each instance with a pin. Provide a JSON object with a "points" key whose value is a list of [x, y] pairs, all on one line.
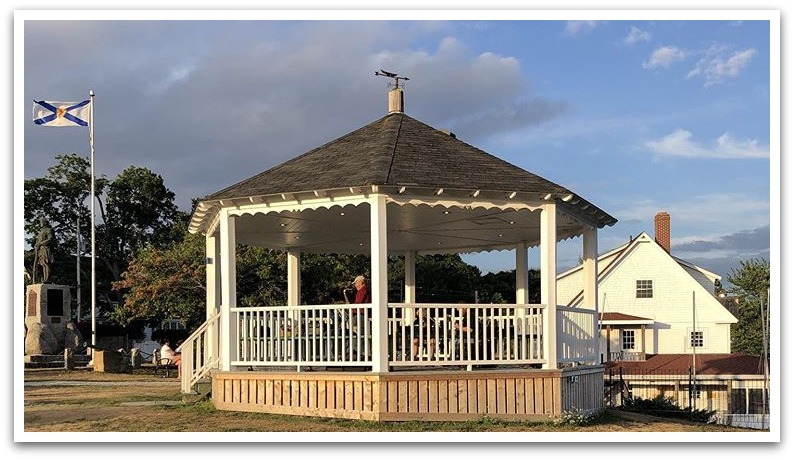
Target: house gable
{"points": [[671, 286]]}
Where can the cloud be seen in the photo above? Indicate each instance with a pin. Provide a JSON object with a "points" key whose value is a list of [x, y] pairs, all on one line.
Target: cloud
{"points": [[253, 94], [574, 28], [680, 143], [716, 69], [742, 242], [716, 235], [636, 35], [664, 57], [707, 216]]}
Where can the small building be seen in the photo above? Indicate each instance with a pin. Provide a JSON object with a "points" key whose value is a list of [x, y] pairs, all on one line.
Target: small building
{"points": [[397, 186], [732, 385], [652, 302]]}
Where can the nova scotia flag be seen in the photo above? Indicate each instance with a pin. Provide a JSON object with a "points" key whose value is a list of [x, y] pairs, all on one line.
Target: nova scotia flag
{"points": [[61, 113]]}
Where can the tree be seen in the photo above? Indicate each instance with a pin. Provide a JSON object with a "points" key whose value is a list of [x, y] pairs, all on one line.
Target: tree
{"points": [[500, 287], [164, 283], [135, 210], [139, 212], [750, 284]]}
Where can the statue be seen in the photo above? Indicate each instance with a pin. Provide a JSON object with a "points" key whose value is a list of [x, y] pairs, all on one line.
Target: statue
{"points": [[42, 255]]}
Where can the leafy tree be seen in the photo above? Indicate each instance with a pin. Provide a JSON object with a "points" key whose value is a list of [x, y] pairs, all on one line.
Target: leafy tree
{"points": [[750, 284], [134, 211], [164, 283], [139, 211], [500, 287]]}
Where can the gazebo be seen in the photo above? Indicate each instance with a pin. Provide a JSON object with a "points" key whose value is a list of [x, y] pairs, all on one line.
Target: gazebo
{"points": [[397, 187]]}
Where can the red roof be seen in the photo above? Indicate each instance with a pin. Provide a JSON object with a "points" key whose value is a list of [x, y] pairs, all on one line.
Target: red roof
{"points": [[615, 316], [706, 364]]}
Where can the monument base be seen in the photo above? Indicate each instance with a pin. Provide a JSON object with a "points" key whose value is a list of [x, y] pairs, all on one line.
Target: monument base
{"points": [[53, 361]]}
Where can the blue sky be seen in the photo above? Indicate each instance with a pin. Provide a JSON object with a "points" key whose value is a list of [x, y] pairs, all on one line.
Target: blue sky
{"points": [[637, 114]]}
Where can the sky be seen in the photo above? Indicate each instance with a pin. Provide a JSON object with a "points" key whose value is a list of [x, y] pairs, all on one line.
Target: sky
{"points": [[636, 115]]}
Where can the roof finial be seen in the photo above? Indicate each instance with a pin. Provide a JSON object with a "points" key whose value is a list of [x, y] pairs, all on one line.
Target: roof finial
{"points": [[396, 101], [393, 75]]}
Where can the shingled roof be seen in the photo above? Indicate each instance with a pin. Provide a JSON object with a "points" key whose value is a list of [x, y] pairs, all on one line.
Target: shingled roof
{"points": [[394, 150], [706, 364]]}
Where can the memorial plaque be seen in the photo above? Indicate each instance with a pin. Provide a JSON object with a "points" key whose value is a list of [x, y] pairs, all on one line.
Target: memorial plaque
{"points": [[33, 303]]}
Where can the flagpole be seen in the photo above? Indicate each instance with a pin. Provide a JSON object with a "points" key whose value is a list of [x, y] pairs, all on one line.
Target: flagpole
{"points": [[79, 253], [93, 228]]}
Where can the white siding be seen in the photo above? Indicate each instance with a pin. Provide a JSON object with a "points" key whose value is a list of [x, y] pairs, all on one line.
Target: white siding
{"points": [[670, 307]]}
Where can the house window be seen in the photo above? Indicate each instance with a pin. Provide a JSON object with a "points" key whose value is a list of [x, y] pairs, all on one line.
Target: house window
{"points": [[644, 289], [697, 339], [627, 340]]}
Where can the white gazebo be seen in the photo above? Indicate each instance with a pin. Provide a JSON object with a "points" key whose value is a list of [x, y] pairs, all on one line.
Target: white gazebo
{"points": [[397, 187]]}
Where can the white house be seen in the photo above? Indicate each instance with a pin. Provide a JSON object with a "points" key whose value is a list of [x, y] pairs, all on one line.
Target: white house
{"points": [[651, 302]]}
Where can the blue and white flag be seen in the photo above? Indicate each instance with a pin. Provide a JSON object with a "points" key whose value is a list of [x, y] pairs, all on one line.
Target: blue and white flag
{"points": [[61, 113]]}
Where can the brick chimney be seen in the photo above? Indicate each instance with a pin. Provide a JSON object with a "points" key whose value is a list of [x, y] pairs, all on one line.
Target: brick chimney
{"points": [[662, 229]]}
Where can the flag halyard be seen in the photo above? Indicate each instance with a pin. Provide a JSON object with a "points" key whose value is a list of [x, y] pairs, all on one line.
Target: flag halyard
{"points": [[61, 114]]}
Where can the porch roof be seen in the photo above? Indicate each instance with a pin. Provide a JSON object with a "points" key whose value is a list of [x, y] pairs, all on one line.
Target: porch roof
{"points": [[615, 318]]}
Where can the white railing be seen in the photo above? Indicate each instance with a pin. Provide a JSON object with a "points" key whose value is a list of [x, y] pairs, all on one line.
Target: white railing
{"points": [[575, 335], [341, 335], [200, 353], [471, 334], [624, 355], [307, 335]]}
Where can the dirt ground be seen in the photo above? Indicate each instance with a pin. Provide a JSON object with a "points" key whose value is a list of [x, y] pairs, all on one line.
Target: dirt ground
{"points": [[86, 401]]}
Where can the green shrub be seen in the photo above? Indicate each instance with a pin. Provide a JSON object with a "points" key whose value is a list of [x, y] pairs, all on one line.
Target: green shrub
{"points": [[665, 407]]}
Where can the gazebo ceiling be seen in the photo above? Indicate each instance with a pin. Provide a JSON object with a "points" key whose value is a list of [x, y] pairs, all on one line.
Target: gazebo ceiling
{"points": [[444, 196], [424, 228]]}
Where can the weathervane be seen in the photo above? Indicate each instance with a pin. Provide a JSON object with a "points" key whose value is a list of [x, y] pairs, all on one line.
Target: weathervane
{"points": [[393, 75]]}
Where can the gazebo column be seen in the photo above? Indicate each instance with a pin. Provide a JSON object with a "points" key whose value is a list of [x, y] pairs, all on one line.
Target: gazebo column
{"points": [[410, 277], [228, 256], [548, 281], [213, 279], [522, 289], [379, 285], [293, 278], [522, 274], [590, 269]]}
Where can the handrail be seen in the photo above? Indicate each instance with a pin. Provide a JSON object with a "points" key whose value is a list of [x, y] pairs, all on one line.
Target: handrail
{"points": [[197, 361]]}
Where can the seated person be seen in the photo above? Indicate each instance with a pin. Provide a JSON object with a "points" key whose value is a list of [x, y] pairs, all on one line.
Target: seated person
{"points": [[167, 352], [468, 339], [423, 329]]}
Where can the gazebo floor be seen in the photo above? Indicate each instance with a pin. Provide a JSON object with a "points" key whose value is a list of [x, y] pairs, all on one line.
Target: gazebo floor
{"points": [[414, 394]]}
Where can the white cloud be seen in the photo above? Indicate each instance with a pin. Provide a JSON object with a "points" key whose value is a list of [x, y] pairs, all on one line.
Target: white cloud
{"points": [[573, 28], [704, 215], [636, 35], [717, 69], [664, 57], [680, 143]]}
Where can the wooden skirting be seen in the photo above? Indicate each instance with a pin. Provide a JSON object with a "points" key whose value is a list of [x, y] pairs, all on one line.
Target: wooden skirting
{"points": [[518, 394]]}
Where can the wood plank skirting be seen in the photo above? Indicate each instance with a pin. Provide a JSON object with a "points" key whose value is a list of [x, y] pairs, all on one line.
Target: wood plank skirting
{"points": [[516, 394]]}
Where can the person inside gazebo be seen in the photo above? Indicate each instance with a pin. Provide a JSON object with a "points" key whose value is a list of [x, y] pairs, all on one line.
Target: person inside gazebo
{"points": [[358, 315], [424, 333]]}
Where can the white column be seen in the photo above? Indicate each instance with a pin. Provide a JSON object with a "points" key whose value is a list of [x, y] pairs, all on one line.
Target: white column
{"points": [[293, 278], [379, 283], [522, 275], [294, 285], [410, 286], [228, 256], [212, 266], [213, 279], [548, 281], [590, 270]]}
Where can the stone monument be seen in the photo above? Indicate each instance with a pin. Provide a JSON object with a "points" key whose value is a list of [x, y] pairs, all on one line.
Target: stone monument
{"points": [[48, 326]]}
